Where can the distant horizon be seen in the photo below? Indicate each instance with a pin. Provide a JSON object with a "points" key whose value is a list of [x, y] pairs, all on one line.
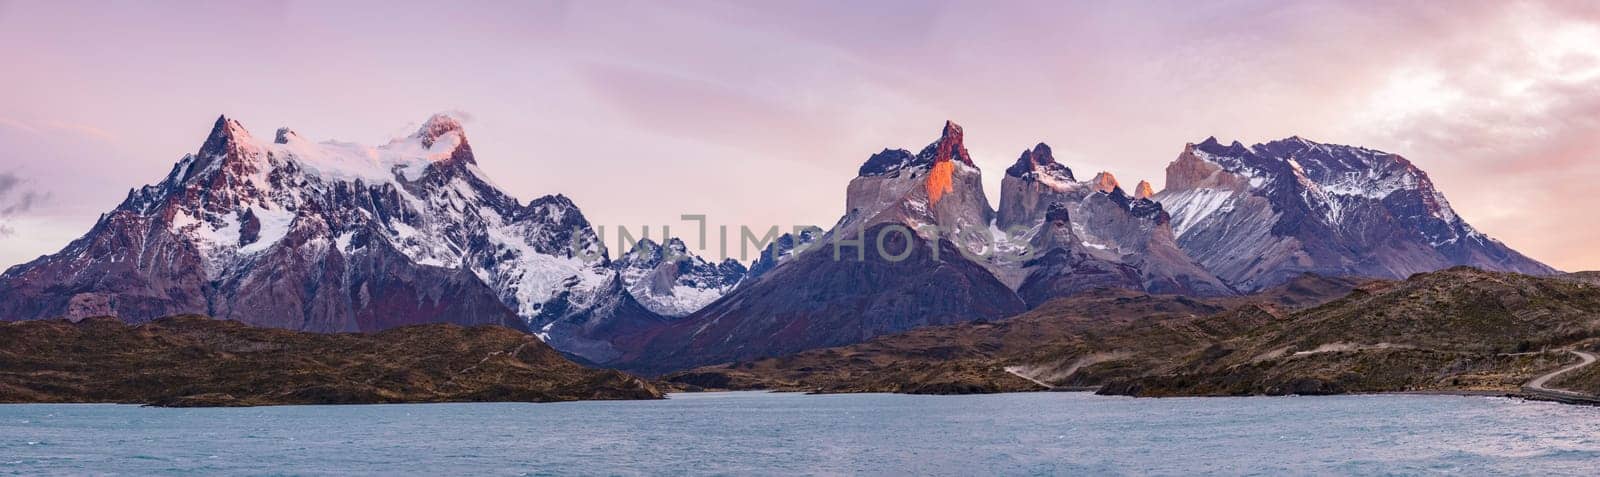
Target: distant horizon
{"points": [[761, 116]]}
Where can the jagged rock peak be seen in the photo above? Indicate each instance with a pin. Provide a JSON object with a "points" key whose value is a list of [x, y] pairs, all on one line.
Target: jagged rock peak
{"points": [[644, 246], [948, 147], [227, 136], [1143, 190], [884, 162], [1212, 146], [1040, 154], [437, 126], [1039, 159], [677, 246], [1105, 182], [285, 135]]}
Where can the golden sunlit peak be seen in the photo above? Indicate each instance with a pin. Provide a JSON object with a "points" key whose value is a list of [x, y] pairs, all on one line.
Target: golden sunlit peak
{"points": [[1143, 190], [1105, 182]]}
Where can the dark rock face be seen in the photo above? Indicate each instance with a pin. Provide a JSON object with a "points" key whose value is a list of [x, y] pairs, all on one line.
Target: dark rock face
{"points": [[371, 288], [1065, 266], [886, 162], [1039, 161], [1260, 215], [166, 277], [814, 301]]}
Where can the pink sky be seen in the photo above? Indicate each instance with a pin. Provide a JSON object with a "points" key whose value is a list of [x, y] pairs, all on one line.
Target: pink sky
{"points": [[760, 115]]}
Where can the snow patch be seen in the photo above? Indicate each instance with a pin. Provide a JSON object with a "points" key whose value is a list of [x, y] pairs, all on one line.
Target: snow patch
{"points": [[274, 226], [1191, 207]]}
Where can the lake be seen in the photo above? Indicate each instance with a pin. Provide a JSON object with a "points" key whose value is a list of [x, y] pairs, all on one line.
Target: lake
{"points": [[762, 433]]}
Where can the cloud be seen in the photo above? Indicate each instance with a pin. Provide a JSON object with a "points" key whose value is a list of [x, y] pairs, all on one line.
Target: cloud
{"points": [[21, 204], [16, 200], [8, 181], [1506, 117], [52, 126], [692, 107]]}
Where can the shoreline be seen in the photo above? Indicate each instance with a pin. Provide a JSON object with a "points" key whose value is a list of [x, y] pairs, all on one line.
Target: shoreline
{"points": [[1090, 390], [1489, 393]]}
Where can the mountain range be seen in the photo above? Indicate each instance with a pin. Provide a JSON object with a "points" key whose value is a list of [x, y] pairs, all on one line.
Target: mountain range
{"points": [[337, 237]]}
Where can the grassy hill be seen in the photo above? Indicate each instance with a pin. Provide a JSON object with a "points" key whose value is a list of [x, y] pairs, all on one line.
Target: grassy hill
{"points": [[1075, 341], [197, 361]]}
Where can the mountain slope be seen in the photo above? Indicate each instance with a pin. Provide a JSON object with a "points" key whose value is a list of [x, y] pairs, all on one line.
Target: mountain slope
{"points": [[816, 301], [1258, 215]]}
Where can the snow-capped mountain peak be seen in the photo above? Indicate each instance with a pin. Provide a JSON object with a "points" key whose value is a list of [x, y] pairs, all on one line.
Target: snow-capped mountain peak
{"points": [[1260, 214], [331, 236], [227, 136], [438, 126]]}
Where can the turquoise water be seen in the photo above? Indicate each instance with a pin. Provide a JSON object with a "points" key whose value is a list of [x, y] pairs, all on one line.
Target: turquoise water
{"points": [[760, 433]]}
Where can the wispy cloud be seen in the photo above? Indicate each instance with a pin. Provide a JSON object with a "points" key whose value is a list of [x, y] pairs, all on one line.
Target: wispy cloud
{"points": [[16, 199], [56, 126]]}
